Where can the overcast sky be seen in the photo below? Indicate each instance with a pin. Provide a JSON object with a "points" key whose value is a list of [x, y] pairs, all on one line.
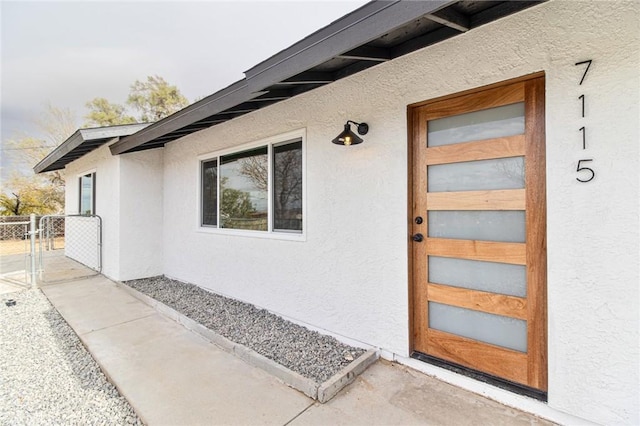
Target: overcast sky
{"points": [[66, 53]]}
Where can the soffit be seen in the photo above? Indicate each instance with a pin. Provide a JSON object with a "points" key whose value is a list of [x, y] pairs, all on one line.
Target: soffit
{"points": [[82, 142], [377, 32]]}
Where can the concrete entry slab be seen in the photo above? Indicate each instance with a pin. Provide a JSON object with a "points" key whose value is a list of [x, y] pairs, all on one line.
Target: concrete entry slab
{"points": [[392, 394], [154, 359], [94, 303], [57, 268], [169, 374], [320, 391]]}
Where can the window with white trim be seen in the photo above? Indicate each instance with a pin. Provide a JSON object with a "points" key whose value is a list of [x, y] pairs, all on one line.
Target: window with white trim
{"points": [[258, 189], [87, 194]]}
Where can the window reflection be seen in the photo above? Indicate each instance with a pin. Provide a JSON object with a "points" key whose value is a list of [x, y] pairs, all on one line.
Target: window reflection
{"points": [[87, 194], [501, 173], [507, 120], [210, 193], [244, 184], [287, 177]]}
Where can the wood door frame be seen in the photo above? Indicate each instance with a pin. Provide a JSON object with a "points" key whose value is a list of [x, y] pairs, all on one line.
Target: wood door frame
{"points": [[535, 213]]}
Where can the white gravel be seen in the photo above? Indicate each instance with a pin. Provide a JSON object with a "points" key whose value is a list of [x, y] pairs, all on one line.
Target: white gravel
{"points": [[47, 377], [307, 352]]}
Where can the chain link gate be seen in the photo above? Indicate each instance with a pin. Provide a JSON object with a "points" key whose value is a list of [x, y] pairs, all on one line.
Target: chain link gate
{"points": [[70, 247]]}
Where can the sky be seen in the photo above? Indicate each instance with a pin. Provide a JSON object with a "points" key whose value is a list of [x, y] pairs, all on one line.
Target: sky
{"points": [[67, 53]]}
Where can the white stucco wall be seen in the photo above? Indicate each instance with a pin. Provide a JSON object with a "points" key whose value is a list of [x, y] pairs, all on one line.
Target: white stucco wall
{"points": [[349, 276], [129, 201], [141, 213], [107, 169]]}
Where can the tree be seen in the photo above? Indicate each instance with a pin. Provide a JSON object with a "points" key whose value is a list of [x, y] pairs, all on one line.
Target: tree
{"points": [[235, 204], [287, 173], [155, 98], [104, 113], [256, 169], [25, 192], [31, 196], [288, 181], [56, 124]]}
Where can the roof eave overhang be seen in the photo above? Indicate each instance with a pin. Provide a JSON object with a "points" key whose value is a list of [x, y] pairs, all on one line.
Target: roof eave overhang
{"points": [[65, 148], [352, 30], [228, 97], [376, 32], [62, 155]]}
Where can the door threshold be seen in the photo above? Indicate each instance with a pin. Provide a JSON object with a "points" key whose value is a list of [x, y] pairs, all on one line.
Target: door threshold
{"points": [[483, 377]]}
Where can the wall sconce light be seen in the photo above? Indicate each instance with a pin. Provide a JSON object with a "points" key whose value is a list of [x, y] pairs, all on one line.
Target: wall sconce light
{"points": [[347, 137]]}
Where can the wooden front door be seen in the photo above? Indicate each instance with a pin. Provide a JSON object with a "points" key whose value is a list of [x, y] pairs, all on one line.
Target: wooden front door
{"points": [[478, 249]]}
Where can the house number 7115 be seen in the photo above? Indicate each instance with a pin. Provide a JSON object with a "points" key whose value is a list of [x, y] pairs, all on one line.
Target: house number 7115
{"points": [[586, 173]]}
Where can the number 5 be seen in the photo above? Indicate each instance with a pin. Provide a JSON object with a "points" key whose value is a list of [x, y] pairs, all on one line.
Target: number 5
{"points": [[585, 169]]}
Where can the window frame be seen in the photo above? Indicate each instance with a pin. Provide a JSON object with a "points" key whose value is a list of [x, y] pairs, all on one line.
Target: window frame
{"points": [[91, 173], [270, 233]]}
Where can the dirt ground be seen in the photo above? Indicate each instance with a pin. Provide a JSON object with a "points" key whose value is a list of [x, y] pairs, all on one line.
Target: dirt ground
{"points": [[9, 247]]}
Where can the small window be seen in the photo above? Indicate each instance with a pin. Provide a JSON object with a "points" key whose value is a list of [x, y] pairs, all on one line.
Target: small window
{"points": [[287, 187], [260, 189], [88, 194], [210, 193]]}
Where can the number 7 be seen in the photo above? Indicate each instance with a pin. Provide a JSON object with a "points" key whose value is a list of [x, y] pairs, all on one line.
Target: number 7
{"points": [[588, 62]]}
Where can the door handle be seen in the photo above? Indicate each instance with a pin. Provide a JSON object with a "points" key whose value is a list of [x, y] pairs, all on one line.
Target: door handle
{"points": [[417, 238]]}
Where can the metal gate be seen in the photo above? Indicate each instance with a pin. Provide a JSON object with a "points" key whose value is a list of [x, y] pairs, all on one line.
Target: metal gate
{"points": [[69, 247]]}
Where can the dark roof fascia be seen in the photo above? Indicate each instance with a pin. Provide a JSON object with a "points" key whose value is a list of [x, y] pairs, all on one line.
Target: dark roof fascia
{"points": [[294, 64], [226, 98], [81, 136], [352, 30]]}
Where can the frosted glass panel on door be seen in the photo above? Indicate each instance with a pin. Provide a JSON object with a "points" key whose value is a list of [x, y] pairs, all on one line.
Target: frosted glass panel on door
{"points": [[501, 173], [507, 120], [497, 330], [505, 226], [493, 277]]}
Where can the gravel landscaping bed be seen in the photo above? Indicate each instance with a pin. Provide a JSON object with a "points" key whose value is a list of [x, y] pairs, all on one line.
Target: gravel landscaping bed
{"points": [[46, 374], [307, 352]]}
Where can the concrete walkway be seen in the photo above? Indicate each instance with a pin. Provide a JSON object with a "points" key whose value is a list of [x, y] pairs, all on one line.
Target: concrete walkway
{"points": [[172, 376]]}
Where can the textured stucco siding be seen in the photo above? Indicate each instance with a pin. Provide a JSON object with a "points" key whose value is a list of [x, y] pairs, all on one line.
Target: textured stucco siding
{"points": [[107, 169], [129, 202], [141, 212], [350, 275]]}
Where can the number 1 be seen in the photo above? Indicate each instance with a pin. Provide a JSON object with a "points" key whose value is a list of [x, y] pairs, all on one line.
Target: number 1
{"points": [[584, 137]]}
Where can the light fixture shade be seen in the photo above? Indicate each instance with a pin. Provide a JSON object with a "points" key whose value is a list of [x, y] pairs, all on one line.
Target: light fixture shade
{"points": [[347, 137]]}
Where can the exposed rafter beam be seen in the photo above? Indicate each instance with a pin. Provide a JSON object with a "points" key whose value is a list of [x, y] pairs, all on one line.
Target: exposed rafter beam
{"points": [[357, 28], [206, 123], [310, 77], [428, 39], [274, 95], [237, 111], [367, 53], [450, 18], [354, 68], [500, 11], [187, 130]]}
